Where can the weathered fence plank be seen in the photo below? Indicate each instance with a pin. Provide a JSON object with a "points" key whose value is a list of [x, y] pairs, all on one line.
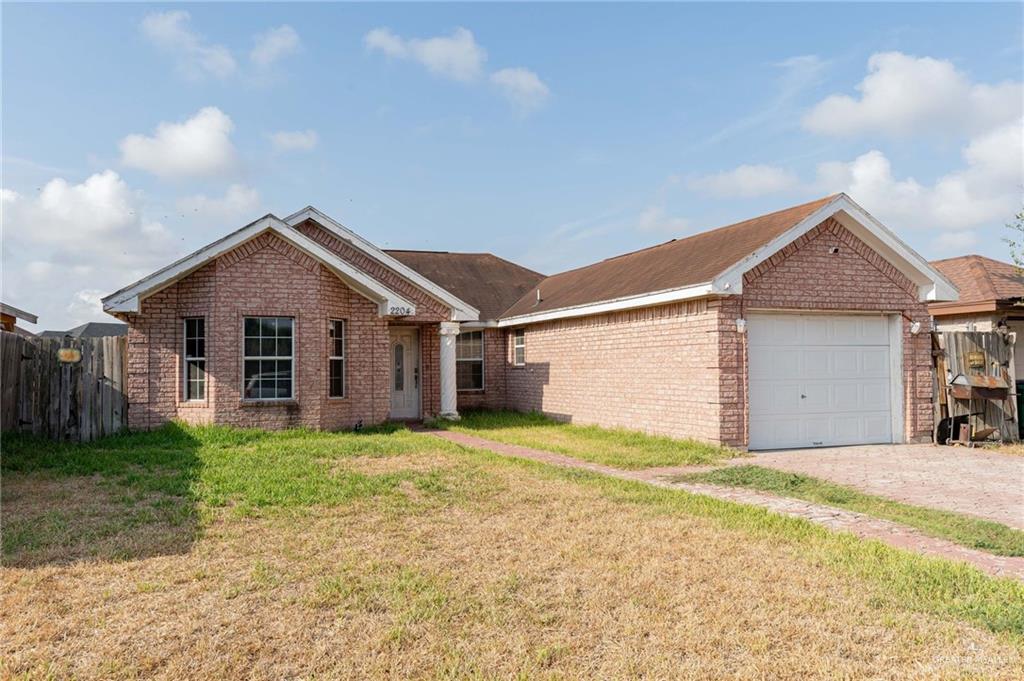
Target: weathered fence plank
{"points": [[80, 401]]}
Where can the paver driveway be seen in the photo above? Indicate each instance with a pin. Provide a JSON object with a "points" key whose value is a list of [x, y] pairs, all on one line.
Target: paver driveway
{"points": [[972, 481]]}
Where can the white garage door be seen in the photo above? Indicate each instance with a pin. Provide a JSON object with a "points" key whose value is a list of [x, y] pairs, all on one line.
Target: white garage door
{"points": [[819, 380]]}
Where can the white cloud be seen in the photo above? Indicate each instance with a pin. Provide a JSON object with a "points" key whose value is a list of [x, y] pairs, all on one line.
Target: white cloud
{"points": [[986, 190], [274, 44], [745, 181], [522, 87], [86, 306], [955, 243], [294, 140], [83, 219], [77, 239], [457, 56], [198, 147], [905, 95], [239, 201], [196, 58], [655, 219]]}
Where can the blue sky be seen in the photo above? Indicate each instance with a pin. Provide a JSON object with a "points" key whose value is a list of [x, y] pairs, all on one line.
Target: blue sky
{"points": [[552, 135]]}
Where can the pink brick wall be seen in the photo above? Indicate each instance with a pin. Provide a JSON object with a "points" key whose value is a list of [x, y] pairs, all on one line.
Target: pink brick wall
{"points": [[654, 370], [264, 277], [427, 309], [805, 276], [681, 369]]}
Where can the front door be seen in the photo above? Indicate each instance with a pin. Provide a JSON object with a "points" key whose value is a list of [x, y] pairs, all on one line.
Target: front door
{"points": [[405, 373]]}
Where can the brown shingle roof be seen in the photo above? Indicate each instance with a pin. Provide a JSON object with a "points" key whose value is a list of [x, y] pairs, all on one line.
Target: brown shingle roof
{"points": [[982, 279], [675, 264], [485, 281]]}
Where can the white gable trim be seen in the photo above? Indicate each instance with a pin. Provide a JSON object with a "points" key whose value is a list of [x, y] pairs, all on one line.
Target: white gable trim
{"points": [[129, 299], [461, 310], [932, 285]]}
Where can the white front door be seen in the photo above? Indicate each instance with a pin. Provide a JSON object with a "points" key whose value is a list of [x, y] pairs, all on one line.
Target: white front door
{"points": [[819, 380], [405, 373]]}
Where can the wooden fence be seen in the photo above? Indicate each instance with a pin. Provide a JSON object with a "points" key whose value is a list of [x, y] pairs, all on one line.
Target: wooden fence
{"points": [[987, 355], [80, 400]]}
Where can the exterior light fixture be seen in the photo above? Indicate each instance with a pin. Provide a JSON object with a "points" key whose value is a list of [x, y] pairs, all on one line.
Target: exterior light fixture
{"points": [[741, 326], [915, 328]]}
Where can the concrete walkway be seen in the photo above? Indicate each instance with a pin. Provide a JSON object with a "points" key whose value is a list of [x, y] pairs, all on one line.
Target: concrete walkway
{"points": [[858, 524], [971, 481]]}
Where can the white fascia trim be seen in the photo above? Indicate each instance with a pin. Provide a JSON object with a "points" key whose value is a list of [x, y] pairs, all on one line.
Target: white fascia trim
{"points": [[129, 298], [18, 313], [461, 310], [489, 324], [626, 303], [932, 285]]}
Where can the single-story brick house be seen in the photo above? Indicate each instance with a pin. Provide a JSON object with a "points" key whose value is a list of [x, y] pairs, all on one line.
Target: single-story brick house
{"points": [[803, 327], [991, 295]]}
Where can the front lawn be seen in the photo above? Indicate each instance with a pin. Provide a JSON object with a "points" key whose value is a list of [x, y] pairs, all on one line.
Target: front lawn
{"points": [[962, 529], [616, 447], [214, 553]]}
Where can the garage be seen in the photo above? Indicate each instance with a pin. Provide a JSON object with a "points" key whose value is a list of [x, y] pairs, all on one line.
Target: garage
{"points": [[821, 380]]}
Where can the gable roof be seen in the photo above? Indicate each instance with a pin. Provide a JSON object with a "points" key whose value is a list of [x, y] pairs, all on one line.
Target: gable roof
{"points": [[129, 298], [487, 282], [461, 310], [981, 280], [90, 330], [712, 263]]}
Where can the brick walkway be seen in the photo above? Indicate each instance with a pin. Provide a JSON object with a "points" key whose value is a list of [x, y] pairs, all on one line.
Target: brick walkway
{"points": [[858, 524], [972, 481]]}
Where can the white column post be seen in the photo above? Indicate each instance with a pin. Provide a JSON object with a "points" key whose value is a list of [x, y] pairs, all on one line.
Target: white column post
{"points": [[449, 408]]}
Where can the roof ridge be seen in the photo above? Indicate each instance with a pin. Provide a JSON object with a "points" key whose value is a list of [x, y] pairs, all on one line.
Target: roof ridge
{"points": [[983, 275]]}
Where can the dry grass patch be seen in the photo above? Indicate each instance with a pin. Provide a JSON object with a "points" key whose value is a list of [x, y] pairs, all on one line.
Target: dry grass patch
{"points": [[496, 570]]}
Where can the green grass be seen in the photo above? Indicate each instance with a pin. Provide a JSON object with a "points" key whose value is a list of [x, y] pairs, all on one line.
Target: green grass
{"points": [[961, 529], [216, 467], [616, 447], [171, 476], [901, 578]]}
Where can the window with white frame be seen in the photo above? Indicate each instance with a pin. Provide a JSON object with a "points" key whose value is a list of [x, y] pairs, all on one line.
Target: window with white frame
{"points": [[336, 358], [269, 358], [469, 360], [195, 359], [519, 347]]}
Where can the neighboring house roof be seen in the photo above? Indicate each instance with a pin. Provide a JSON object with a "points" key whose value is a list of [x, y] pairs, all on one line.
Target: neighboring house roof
{"points": [[129, 298], [984, 284], [712, 263], [18, 313], [487, 282], [90, 330]]}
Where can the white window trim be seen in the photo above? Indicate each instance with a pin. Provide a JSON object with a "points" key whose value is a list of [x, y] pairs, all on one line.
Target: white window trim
{"points": [[246, 357], [331, 356], [516, 345], [483, 364], [185, 360]]}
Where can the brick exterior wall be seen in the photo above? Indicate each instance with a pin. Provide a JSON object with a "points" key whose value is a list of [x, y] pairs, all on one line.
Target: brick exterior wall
{"points": [[268, 277], [678, 369], [805, 276], [653, 369], [681, 369]]}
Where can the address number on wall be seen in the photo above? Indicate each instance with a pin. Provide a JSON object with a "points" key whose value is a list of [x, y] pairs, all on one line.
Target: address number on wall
{"points": [[400, 310]]}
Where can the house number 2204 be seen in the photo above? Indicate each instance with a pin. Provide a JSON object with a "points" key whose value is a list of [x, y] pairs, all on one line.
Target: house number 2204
{"points": [[399, 310]]}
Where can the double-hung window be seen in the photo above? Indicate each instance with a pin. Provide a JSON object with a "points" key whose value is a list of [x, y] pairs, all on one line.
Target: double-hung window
{"points": [[519, 347], [195, 359], [269, 358], [469, 360], [336, 358]]}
